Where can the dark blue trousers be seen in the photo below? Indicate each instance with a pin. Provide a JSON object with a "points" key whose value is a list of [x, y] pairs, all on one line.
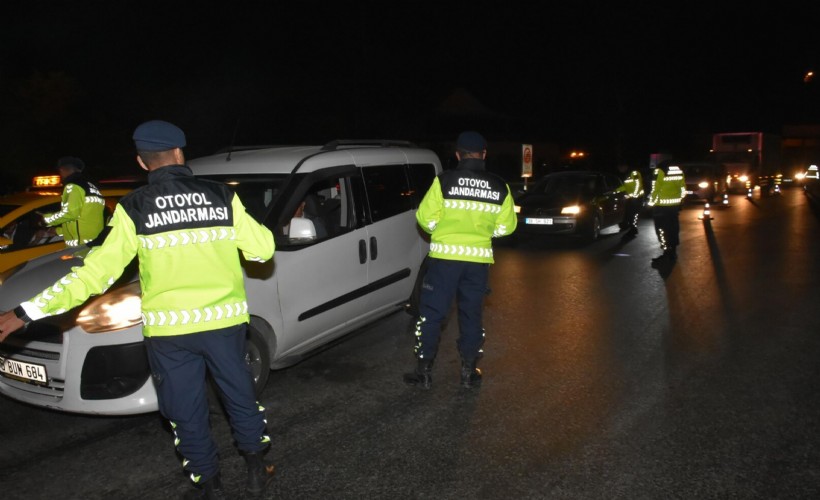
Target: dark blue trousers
{"points": [[179, 364], [667, 226], [445, 280]]}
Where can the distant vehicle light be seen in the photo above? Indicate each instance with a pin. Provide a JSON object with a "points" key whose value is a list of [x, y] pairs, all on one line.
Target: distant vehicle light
{"points": [[703, 184], [799, 176], [571, 210], [518, 209], [743, 178]]}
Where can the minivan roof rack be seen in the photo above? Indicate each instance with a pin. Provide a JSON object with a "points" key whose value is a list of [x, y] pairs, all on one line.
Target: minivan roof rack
{"points": [[246, 148], [333, 145]]}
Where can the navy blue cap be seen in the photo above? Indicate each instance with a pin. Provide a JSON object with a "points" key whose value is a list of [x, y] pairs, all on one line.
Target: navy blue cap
{"points": [[71, 161], [158, 135], [471, 142]]}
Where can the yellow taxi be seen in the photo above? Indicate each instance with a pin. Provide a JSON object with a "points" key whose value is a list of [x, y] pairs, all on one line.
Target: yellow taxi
{"points": [[21, 236]]}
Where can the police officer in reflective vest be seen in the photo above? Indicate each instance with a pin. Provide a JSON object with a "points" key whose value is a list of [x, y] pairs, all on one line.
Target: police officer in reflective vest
{"points": [[80, 218], [187, 234], [633, 189], [462, 211], [666, 197]]}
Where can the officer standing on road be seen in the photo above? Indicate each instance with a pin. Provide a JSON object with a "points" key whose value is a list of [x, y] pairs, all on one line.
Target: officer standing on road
{"points": [[462, 211], [185, 233], [666, 197], [80, 218], [633, 189]]}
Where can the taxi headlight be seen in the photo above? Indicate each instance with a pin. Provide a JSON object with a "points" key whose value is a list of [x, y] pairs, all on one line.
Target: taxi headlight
{"points": [[571, 210], [114, 310]]}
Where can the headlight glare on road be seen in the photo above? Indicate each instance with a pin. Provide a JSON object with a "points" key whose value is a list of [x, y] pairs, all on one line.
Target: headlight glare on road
{"points": [[571, 210], [116, 309]]}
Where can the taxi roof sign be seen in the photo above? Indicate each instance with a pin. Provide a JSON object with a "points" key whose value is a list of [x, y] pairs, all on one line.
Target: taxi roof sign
{"points": [[45, 181]]}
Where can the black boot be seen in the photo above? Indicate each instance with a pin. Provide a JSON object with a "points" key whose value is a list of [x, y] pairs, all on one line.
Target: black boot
{"points": [[470, 375], [423, 375], [210, 489], [260, 473]]}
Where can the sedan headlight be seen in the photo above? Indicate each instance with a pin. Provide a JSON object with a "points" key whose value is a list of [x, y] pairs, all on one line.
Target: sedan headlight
{"points": [[571, 210], [114, 310]]}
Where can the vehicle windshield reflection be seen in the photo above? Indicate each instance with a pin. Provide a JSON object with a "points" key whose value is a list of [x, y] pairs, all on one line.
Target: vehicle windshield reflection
{"points": [[567, 185]]}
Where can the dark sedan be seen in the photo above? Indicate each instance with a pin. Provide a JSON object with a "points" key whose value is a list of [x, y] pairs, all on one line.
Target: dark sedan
{"points": [[576, 203]]}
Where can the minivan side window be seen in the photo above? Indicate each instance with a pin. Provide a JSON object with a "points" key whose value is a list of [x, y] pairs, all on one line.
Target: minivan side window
{"points": [[388, 191], [333, 205], [421, 178]]}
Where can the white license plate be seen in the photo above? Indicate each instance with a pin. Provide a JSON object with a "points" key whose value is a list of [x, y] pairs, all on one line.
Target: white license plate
{"points": [[531, 220], [23, 371]]}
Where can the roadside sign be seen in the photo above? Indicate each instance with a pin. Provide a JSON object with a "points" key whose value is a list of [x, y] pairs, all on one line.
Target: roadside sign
{"points": [[526, 160]]}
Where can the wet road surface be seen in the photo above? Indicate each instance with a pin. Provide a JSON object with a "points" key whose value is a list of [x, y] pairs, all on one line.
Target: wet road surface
{"points": [[604, 378]]}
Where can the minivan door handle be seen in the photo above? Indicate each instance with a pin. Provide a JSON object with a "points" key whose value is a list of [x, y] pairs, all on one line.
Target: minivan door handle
{"points": [[362, 252], [374, 248]]}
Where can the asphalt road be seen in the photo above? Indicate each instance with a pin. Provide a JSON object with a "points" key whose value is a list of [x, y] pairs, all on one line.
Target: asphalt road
{"points": [[604, 379]]}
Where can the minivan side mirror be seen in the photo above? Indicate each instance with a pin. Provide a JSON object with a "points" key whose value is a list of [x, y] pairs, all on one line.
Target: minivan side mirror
{"points": [[301, 229]]}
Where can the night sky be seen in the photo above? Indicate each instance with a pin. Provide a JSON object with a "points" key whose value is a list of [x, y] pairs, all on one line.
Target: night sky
{"points": [[617, 78]]}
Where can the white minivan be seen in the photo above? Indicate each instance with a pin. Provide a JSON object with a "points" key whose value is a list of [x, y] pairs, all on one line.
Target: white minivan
{"points": [[348, 252]]}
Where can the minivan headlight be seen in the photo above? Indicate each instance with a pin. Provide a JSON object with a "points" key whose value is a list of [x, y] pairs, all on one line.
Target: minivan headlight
{"points": [[114, 310]]}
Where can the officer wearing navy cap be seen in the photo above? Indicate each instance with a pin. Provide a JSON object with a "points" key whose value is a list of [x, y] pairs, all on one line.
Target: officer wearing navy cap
{"points": [[158, 135], [187, 234], [462, 211]]}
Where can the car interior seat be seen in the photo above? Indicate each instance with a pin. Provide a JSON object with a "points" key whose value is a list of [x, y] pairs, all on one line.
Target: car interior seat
{"points": [[313, 211]]}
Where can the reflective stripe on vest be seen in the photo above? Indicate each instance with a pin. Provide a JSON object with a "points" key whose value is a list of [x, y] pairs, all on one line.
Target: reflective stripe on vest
{"points": [[472, 205], [671, 201], [186, 237], [184, 316], [501, 230], [460, 250]]}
